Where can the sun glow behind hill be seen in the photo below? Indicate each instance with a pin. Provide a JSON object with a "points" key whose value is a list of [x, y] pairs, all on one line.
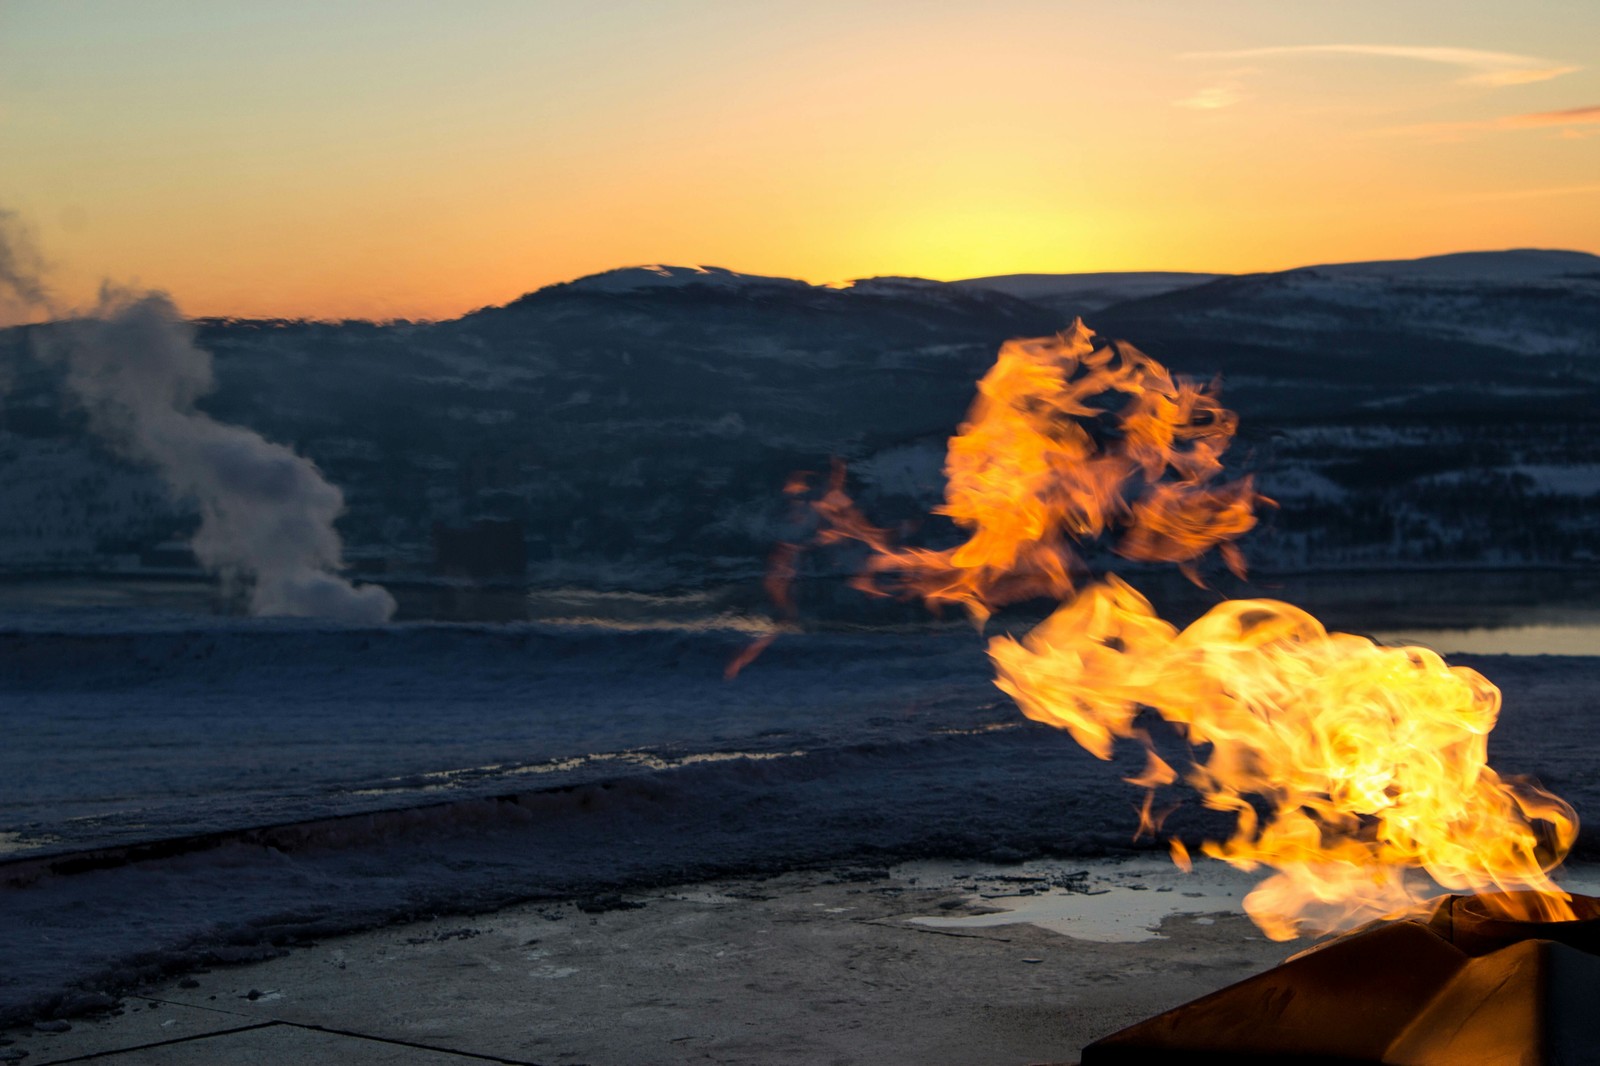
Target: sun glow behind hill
{"points": [[307, 160]]}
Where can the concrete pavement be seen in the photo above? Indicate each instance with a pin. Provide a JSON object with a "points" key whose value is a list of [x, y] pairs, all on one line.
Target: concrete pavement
{"points": [[935, 964]]}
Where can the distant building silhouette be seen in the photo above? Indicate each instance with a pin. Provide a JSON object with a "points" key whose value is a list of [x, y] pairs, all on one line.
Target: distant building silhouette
{"points": [[488, 547]]}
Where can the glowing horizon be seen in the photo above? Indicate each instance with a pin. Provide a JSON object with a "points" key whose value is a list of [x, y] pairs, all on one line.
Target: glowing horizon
{"points": [[405, 160]]}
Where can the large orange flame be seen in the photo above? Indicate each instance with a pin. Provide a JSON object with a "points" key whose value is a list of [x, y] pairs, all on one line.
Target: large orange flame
{"points": [[1351, 769], [1347, 764], [1042, 464]]}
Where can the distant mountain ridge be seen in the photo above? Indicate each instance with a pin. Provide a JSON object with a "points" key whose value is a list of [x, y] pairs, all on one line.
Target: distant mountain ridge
{"points": [[1510, 264], [633, 279], [1081, 294], [639, 423], [1076, 294]]}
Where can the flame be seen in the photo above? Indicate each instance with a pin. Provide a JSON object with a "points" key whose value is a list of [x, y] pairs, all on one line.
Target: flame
{"points": [[1042, 464], [1349, 768], [781, 569], [1345, 763]]}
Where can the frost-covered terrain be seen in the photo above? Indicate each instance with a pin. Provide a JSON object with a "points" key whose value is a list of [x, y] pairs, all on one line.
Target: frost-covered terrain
{"points": [[249, 783], [471, 765], [1084, 294], [117, 734], [639, 424]]}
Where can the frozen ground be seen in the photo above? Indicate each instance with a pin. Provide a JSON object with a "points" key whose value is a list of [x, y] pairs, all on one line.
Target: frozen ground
{"points": [[936, 963], [166, 727], [832, 966], [180, 792]]}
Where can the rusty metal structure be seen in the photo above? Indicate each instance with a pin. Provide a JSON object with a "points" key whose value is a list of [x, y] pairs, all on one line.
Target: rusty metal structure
{"points": [[1461, 986]]}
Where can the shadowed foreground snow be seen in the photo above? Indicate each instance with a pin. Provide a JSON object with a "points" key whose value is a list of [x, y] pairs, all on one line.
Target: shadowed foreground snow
{"points": [[433, 769]]}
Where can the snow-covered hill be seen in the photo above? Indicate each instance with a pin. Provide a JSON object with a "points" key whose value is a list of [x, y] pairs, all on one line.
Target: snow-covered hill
{"points": [[1083, 294], [640, 423], [1516, 264], [1382, 331], [632, 279]]}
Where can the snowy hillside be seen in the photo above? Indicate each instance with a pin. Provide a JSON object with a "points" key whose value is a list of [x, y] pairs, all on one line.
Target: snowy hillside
{"points": [[1428, 321], [640, 423], [1517, 264], [1083, 294], [632, 279]]}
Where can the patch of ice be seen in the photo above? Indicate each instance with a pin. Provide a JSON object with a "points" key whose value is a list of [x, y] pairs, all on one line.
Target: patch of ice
{"points": [[1125, 902]]}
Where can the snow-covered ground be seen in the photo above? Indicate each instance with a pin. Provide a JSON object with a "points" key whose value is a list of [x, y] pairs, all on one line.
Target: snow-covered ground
{"points": [[179, 788], [160, 727]]}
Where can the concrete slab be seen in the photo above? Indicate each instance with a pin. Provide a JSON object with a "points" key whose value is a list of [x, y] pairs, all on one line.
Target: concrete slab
{"points": [[277, 1044], [142, 1021], [935, 964]]}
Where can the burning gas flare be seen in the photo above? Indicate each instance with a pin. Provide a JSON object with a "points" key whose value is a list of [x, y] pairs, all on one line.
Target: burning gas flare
{"points": [[1350, 768], [1347, 764], [1041, 464]]}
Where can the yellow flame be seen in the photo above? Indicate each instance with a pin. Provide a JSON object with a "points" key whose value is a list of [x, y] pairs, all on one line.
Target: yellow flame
{"points": [[1348, 767], [1042, 463], [1345, 763]]}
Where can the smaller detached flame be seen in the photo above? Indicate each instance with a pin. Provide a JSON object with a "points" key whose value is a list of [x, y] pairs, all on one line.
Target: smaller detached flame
{"points": [[1042, 465], [1350, 768]]}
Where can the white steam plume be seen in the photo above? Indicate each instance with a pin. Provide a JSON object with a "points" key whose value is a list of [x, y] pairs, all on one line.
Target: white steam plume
{"points": [[266, 514], [21, 270]]}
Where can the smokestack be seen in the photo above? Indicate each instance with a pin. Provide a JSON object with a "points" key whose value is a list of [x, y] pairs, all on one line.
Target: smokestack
{"points": [[266, 514]]}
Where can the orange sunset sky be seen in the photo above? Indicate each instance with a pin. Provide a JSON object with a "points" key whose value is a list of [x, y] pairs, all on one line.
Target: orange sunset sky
{"points": [[418, 159]]}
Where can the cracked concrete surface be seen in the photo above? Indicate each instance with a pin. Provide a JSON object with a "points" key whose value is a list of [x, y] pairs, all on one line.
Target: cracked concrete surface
{"points": [[822, 967]]}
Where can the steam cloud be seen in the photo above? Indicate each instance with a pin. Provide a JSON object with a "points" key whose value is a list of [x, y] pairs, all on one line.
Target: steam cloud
{"points": [[20, 269], [266, 513]]}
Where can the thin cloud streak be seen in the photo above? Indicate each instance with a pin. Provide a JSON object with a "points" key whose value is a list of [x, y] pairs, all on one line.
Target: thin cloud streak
{"points": [[1566, 120], [1530, 194], [1490, 68], [1226, 89], [1572, 116], [1212, 98]]}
